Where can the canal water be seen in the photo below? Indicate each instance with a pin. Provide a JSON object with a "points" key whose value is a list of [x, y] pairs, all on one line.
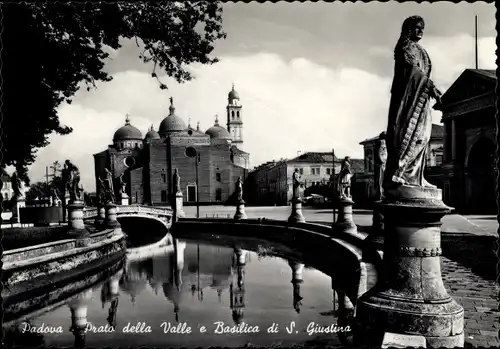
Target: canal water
{"points": [[208, 291]]}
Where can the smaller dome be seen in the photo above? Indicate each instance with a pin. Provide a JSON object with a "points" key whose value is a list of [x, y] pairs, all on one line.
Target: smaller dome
{"points": [[152, 134], [217, 132], [233, 94], [127, 132]]}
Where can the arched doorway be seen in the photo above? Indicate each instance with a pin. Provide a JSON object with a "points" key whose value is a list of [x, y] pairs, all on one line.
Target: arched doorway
{"points": [[481, 190]]}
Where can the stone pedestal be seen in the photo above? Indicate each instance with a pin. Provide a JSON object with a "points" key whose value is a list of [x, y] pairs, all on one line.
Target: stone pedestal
{"points": [[18, 204], [110, 216], [179, 205], [101, 215], [125, 200], [76, 227], [344, 219], [240, 210], [410, 298], [296, 215]]}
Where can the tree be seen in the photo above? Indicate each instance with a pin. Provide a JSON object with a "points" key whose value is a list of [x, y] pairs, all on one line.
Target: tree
{"points": [[50, 50]]}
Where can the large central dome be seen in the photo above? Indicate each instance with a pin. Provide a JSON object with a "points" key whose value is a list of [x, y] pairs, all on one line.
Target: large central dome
{"points": [[127, 132], [172, 123]]}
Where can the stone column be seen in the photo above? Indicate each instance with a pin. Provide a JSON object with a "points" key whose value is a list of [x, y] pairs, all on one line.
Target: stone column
{"points": [[296, 215], [101, 216], [344, 220], [410, 298], [110, 216], [78, 307], [76, 226], [240, 210], [374, 242]]}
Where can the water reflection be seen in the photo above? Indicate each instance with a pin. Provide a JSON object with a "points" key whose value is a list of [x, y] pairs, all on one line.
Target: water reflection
{"points": [[203, 283]]}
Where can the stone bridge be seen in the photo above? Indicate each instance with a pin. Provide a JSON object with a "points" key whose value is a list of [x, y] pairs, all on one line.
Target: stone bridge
{"points": [[161, 214]]}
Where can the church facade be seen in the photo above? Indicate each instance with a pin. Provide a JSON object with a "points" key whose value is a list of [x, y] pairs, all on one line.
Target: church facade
{"points": [[148, 163]]}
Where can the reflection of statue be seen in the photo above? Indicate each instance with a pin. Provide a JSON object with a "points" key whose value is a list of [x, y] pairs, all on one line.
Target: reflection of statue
{"points": [[410, 123], [109, 193], [239, 190], [345, 179], [380, 160], [296, 184], [177, 181], [16, 186], [297, 298], [71, 178]]}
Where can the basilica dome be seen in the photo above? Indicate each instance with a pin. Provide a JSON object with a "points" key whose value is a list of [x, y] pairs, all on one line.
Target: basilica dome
{"points": [[127, 132], [217, 131], [152, 134], [172, 123]]}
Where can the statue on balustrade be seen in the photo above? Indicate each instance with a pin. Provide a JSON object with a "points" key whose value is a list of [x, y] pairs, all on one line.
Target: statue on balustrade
{"points": [[71, 178], [177, 181], [123, 185], [296, 184], [345, 176], [380, 161], [410, 122], [107, 189], [239, 190], [17, 186]]}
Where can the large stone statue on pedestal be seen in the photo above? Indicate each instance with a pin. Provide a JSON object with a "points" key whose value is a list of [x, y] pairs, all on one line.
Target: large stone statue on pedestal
{"points": [[344, 221], [240, 203], [72, 186], [296, 215], [179, 200], [410, 300], [110, 209]]}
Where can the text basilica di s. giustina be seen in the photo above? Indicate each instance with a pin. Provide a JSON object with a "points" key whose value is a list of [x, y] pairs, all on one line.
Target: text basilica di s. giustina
{"points": [[144, 164]]}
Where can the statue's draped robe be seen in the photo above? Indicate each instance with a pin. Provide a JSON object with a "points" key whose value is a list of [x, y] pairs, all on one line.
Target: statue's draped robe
{"points": [[410, 123]]}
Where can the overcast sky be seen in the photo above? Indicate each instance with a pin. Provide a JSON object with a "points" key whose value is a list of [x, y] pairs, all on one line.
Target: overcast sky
{"points": [[311, 76]]}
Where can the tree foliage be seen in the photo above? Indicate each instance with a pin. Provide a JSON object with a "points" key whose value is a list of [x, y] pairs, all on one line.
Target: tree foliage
{"points": [[51, 49]]}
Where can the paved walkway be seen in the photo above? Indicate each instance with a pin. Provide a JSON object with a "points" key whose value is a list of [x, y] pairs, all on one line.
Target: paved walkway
{"points": [[479, 298]]}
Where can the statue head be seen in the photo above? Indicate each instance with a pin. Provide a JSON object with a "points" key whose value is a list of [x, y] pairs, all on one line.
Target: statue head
{"points": [[347, 159], [413, 28]]}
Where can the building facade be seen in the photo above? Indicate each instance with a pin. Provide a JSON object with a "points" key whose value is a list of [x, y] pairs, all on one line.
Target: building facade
{"points": [[273, 180], [467, 175], [147, 164], [366, 180]]}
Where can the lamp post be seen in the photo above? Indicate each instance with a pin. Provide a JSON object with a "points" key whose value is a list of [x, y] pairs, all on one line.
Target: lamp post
{"points": [[193, 153]]}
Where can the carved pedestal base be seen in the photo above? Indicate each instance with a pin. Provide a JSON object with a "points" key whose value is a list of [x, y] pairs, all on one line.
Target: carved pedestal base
{"points": [[344, 220], [410, 298], [125, 200], [101, 215], [179, 205], [110, 216], [240, 210], [76, 227], [296, 215], [374, 242], [19, 203]]}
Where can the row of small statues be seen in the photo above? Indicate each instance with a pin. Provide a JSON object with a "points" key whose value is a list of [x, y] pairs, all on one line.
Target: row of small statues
{"points": [[107, 192]]}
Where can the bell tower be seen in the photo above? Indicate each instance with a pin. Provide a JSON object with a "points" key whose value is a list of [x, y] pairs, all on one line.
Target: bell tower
{"points": [[234, 118]]}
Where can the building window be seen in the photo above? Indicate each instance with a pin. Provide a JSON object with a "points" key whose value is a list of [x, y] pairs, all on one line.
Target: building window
{"points": [[164, 178], [232, 114], [218, 194], [238, 114], [328, 171], [163, 196], [315, 171], [301, 171], [217, 177]]}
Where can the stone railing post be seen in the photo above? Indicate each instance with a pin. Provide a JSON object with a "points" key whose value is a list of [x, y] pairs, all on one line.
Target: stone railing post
{"points": [[344, 221], [296, 215], [101, 215], [110, 220], [76, 226], [410, 298]]}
